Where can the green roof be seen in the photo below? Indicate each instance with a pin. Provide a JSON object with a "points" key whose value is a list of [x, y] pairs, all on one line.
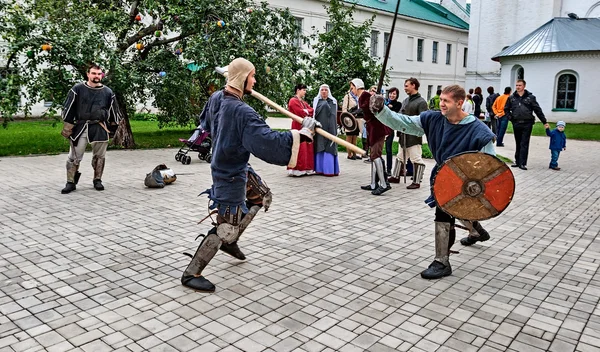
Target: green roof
{"points": [[419, 9]]}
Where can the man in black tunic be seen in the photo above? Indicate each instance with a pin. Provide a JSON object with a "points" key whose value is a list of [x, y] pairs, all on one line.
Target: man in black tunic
{"points": [[88, 113]]}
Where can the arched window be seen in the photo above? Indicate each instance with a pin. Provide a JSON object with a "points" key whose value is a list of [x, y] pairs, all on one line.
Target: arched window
{"points": [[520, 73], [517, 72], [566, 91]]}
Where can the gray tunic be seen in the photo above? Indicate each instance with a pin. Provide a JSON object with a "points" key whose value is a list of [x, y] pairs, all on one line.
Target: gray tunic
{"points": [[325, 113]]}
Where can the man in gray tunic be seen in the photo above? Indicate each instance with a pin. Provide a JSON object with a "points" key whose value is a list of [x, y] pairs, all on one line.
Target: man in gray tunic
{"points": [[89, 112]]}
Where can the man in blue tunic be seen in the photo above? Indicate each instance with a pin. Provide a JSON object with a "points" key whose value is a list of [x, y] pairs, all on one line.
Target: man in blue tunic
{"points": [[449, 132], [237, 192]]}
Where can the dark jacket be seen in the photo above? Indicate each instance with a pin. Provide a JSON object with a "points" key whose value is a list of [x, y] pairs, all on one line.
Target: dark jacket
{"points": [[489, 102], [558, 139], [520, 109], [412, 106], [477, 100]]}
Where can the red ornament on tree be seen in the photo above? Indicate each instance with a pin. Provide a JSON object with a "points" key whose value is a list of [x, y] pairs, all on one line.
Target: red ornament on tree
{"points": [[138, 17]]}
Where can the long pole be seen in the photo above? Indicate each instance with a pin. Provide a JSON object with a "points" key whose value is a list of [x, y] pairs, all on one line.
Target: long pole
{"points": [[387, 50], [298, 119]]}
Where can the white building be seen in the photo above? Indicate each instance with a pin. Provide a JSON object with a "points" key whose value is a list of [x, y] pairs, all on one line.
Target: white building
{"points": [[429, 41], [497, 28]]}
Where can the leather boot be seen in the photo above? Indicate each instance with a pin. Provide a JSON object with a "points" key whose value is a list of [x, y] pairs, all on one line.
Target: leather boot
{"points": [[207, 249], [233, 250], [441, 263], [69, 187], [476, 233], [98, 185], [72, 177]]}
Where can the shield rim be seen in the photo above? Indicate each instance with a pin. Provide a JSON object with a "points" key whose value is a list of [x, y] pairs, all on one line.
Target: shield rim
{"points": [[348, 128], [474, 152]]}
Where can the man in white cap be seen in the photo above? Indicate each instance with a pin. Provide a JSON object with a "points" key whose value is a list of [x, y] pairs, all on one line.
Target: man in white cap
{"points": [[237, 192]]}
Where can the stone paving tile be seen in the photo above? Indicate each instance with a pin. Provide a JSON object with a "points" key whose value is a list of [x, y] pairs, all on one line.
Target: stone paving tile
{"points": [[321, 274]]}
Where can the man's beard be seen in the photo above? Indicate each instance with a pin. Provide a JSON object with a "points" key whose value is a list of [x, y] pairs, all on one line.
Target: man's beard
{"points": [[96, 80]]}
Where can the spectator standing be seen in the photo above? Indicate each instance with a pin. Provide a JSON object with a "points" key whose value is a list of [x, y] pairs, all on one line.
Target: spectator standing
{"points": [[468, 105], [498, 108], [520, 107], [305, 163], [434, 102], [477, 100], [349, 104], [326, 155], [489, 103], [394, 105]]}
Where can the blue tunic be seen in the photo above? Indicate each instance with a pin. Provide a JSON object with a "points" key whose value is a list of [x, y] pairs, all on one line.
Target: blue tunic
{"points": [[445, 139], [238, 131]]}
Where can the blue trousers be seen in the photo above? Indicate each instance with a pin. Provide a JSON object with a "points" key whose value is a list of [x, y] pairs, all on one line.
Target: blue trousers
{"points": [[554, 154], [502, 126]]}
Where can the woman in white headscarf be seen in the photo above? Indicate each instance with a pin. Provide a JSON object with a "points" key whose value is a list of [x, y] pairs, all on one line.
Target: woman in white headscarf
{"points": [[326, 155]]}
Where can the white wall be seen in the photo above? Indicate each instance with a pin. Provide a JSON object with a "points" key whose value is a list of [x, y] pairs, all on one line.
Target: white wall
{"points": [[496, 24], [402, 66], [541, 73]]}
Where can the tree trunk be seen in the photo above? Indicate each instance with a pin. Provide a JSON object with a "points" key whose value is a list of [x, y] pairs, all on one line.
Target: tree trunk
{"points": [[124, 135]]}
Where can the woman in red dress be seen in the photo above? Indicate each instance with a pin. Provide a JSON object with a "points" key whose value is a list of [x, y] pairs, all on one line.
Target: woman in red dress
{"points": [[306, 160]]}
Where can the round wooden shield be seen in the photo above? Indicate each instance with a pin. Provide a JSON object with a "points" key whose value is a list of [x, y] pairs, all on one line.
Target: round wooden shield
{"points": [[474, 186], [348, 121]]}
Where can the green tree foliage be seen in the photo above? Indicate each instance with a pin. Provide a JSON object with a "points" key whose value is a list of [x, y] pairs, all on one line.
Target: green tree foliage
{"points": [[342, 53], [160, 51]]}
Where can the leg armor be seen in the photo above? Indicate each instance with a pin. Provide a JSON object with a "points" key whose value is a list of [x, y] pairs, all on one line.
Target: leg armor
{"points": [[98, 165], [397, 172], [257, 192], [419, 170], [206, 251], [374, 179], [476, 233], [441, 263], [382, 185], [72, 176]]}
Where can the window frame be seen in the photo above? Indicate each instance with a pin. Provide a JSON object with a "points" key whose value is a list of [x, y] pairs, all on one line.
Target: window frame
{"points": [[448, 54], [434, 52], [420, 47], [374, 43], [575, 91]]}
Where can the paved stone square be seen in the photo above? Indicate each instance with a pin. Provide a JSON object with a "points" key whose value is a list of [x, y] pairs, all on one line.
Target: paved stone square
{"points": [[329, 267]]}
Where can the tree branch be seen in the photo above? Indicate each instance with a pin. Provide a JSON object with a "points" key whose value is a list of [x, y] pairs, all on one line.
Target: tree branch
{"points": [[165, 41], [132, 13]]}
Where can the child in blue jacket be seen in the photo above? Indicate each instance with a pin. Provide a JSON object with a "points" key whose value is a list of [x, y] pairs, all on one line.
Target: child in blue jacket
{"points": [[558, 142]]}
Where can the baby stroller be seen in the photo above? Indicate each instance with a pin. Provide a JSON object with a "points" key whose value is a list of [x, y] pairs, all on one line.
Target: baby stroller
{"points": [[200, 142]]}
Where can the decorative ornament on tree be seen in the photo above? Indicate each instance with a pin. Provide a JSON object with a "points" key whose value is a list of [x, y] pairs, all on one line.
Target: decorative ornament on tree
{"points": [[139, 46], [162, 73], [103, 75], [178, 51], [249, 10], [157, 34], [46, 47], [138, 17], [221, 23], [30, 54]]}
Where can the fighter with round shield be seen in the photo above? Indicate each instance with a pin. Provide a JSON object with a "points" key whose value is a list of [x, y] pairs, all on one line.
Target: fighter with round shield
{"points": [[466, 186], [237, 192]]}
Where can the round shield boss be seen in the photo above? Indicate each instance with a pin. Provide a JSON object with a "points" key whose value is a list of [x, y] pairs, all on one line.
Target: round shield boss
{"points": [[474, 186], [348, 121]]}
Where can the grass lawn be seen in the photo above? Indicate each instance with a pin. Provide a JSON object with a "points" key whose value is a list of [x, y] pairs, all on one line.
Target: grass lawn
{"points": [[43, 137], [581, 131]]}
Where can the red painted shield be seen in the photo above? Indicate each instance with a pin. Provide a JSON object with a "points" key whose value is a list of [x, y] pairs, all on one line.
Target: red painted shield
{"points": [[474, 186]]}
